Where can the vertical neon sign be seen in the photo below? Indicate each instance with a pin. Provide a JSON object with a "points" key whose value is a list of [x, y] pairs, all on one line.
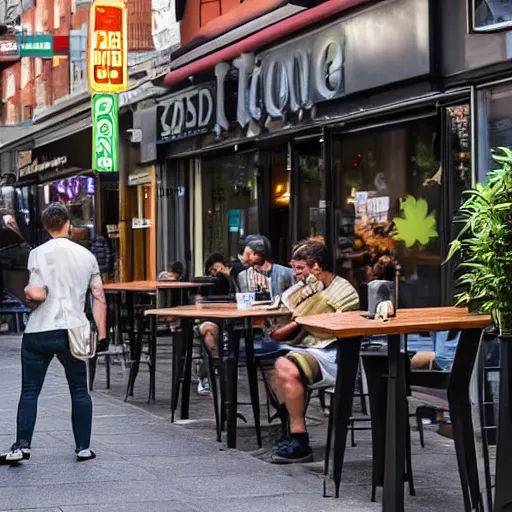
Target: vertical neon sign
{"points": [[105, 132]]}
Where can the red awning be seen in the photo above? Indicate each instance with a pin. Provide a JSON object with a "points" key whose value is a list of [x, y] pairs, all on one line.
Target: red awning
{"points": [[261, 38]]}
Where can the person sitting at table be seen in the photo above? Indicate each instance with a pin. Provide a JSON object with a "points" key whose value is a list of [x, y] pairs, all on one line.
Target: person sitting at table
{"points": [[311, 361], [241, 262], [260, 276], [215, 266], [263, 275], [176, 272]]}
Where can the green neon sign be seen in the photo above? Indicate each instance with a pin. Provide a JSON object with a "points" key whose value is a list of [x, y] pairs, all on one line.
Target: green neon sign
{"points": [[105, 132]]}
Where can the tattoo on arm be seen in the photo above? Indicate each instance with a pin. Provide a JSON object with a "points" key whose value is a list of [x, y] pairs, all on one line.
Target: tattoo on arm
{"points": [[97, 289]]}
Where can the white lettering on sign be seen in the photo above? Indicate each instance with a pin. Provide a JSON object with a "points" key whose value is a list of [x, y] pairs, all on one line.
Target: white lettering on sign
{"points": [[36, 167], [289, 79], [8, 46], [185, 114]]}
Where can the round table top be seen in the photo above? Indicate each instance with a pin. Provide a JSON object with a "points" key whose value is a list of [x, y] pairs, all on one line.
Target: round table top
{"points": [[220, 310]]}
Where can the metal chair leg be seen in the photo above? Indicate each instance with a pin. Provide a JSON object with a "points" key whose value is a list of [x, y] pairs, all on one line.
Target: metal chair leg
{"points": [[215, 397]]}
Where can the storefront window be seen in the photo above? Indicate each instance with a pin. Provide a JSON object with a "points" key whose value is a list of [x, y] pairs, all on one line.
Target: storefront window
{"points": [[391, 202], [78, 193], [173, 196], [310, 188], [490, 15], [230, 209]]}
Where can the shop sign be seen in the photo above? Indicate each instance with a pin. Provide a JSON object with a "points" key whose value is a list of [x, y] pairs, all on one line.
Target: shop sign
{"points": [[24, 158], [141, 223], [287, 80], [140, 178], [108, 47], [105, 130], [38, 46], [9, 49], [35, 167], [188, 113]]}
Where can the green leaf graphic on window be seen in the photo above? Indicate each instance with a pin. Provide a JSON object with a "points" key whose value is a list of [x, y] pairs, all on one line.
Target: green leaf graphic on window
{"points": [[416, 224]]}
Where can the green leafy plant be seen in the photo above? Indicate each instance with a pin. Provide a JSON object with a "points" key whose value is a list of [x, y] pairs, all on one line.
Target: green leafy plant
{"points": [[485, 244]]}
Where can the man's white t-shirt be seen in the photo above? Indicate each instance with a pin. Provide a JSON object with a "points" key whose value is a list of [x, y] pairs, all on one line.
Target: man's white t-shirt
{"points": [[66, 269]]}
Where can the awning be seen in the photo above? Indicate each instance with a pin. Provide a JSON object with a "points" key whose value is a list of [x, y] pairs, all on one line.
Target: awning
{"points": [[186, 55], [55, 128], [261, 38]]}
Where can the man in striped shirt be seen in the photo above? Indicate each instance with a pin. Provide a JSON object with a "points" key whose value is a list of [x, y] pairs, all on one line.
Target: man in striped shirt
{"points": [[311, 362]]}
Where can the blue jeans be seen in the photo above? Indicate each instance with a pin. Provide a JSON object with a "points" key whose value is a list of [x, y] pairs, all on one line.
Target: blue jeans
{"points": [[37, 351]]}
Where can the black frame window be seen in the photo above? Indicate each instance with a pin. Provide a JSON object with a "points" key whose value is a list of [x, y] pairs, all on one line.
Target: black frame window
{"points": [[489, 15]]}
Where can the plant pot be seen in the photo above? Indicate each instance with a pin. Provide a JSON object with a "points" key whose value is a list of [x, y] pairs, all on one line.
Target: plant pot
{"points": [[503, 321]]}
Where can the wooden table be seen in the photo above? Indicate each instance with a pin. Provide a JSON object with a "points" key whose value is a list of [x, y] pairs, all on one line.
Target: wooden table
{"points": [[132, 288], [349, 328], [228, 314]]}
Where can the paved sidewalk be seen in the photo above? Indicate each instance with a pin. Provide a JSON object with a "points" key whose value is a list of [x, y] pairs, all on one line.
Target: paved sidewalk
{"points": [[147, 464]]}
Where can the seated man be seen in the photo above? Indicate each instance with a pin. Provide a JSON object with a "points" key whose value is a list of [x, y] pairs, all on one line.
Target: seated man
{"points": [[262, 275], [311, 361], [176, 272]]}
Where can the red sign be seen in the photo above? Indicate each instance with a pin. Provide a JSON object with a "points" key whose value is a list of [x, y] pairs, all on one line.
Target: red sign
{"points": [[108, 47], [61, 45], [9, 49]]}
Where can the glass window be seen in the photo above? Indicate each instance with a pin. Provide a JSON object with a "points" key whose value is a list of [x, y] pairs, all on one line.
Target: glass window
{"points": [[494, 125], [173, 198], [490, 15], [310, 188], [230, 208], [391, 202]]}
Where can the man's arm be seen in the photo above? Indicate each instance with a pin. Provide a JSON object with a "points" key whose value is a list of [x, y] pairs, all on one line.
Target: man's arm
{"points": [[286, 332], [36, 290], [99, 306], [35, 294]]}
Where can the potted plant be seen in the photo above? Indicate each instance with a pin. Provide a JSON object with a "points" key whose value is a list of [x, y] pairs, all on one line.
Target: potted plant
{"points": [[485, 245]]}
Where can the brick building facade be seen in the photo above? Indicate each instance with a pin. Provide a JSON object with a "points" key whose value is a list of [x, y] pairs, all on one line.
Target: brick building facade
{"points": [[32, 83]]}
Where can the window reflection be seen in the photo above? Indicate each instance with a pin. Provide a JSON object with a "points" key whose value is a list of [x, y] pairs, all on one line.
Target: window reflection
{"points": [[390, 202], [229, 203], [310, 189], [491, 15]]}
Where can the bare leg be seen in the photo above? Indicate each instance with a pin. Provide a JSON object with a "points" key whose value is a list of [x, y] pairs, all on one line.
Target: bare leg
{"points": [[291, 392], [210, 332]]}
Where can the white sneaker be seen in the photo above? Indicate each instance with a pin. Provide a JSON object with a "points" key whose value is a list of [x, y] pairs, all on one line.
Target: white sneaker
{"points": [[203, 387], [14, 455], [84, 455]]}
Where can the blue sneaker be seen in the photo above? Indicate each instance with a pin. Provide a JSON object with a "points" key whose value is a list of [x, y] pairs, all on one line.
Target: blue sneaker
{"points": [[293, 452]]}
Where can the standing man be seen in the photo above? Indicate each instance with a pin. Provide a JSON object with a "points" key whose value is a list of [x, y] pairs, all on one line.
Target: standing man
{"points": [[61, 272]]}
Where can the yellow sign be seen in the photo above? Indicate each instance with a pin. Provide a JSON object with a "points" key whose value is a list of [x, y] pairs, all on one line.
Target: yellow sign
{"points": [[108, 47]]}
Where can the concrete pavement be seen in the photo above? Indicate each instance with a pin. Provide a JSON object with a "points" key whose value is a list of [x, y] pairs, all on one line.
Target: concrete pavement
{"points": [[147, 464]]}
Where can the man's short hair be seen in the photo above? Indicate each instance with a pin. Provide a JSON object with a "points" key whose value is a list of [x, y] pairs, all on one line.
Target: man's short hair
{"points": [[260, 245], [216, 257], [177, 267], [55, 216], [315, 252]]}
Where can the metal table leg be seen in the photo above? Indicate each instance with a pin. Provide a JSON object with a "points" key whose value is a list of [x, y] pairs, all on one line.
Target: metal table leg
{"points": [[252, 373], [503, 496], [461, 416], [348, 361], [188, 339], [393, 497], [230, 347]]}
